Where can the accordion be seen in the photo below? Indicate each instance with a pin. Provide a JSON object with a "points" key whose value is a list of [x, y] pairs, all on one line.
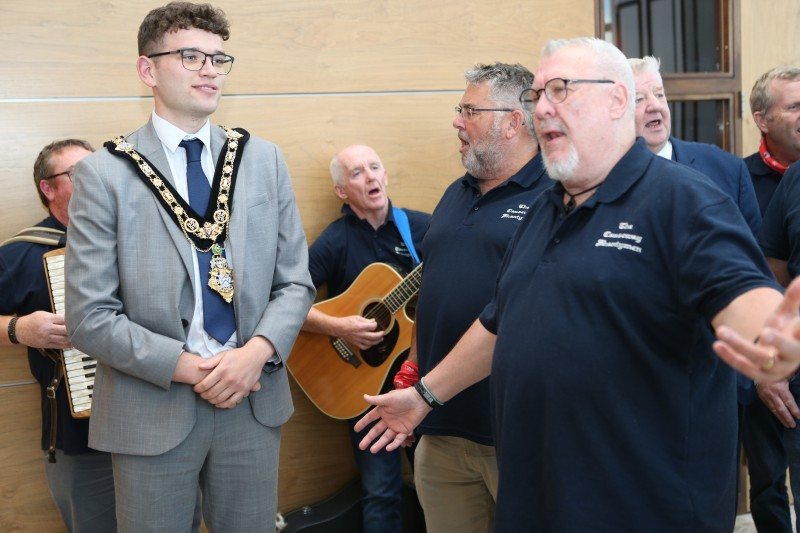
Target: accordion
{"points": [[79, 368]]}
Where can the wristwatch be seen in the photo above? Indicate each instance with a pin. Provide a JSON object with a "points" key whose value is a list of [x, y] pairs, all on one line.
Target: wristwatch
{"points": [[12, 333]]}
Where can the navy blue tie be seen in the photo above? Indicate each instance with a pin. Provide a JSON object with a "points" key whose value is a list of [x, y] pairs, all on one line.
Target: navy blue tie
{"points": [[218, 317]]}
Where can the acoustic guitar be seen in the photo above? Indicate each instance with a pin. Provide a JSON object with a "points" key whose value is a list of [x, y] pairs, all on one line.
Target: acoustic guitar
{"points": [[334, 375]]}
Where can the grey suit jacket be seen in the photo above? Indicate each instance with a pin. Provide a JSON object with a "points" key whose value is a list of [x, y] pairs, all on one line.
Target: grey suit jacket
{"points": [[129, 295]]}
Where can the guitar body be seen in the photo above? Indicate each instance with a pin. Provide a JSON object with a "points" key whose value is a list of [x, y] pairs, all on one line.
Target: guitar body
{"points": [[334, 375]]}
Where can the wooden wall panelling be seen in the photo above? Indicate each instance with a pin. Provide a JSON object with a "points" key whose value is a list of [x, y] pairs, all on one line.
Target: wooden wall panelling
{"points": [[32, 125], [25, 503], [14, 365], [769, 39], [316, 455], [412, 133], [306, 46], [309, 75]]}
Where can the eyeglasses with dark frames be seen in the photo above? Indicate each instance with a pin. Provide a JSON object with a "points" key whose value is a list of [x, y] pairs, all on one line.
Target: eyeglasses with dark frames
{"points": [[555, 90], [191, 60], [468, 112], [70, 172]]}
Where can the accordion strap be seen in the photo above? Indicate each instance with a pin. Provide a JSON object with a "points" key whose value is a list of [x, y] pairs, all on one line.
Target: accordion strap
{"points": [[39, 235], [58, 376]]}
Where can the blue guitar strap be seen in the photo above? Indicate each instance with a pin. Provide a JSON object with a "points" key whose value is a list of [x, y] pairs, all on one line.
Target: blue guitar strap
{"points": [[401, 221]]}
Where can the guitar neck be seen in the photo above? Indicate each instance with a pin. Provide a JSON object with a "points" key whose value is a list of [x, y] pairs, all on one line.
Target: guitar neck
{"points": [[404, 291]]}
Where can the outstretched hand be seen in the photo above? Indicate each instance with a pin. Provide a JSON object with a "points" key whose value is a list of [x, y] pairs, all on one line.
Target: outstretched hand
{"points": [[396, 414], [776, 355]]}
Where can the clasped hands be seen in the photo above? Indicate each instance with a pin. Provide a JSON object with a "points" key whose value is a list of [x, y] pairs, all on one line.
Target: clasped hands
{"points": [[230, 376]]}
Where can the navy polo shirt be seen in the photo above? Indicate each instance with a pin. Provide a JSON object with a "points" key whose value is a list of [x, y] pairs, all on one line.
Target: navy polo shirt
{"points": [[349, 244], [463, 248], [23, 290], [765, 180], [612, 412], [780, 233]]}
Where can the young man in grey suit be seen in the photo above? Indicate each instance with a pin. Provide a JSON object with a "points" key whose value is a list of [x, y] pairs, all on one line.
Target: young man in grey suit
{"points": [[189, 298]]}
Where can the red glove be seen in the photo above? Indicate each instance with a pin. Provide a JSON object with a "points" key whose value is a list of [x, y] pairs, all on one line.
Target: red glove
{"points": [[407, 375]]}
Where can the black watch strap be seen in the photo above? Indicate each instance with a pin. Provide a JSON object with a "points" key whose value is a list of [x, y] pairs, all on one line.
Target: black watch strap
{"points": [[12, 330], [427, 395]]}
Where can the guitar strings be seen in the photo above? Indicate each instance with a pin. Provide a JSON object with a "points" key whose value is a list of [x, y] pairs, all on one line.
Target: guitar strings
{"points": [[381, 312]]}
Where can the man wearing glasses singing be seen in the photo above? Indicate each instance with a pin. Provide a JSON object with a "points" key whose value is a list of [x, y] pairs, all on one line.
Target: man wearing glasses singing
{"points": [[78, 477], [187, 279], [455, 469], [609, 411]]}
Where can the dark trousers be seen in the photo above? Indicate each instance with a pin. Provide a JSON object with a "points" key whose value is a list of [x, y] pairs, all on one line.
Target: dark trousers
{"points": [[762, 435], [381, 486]]}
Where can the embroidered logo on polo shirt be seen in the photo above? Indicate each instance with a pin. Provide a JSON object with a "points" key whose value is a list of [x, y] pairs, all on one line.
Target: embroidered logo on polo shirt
{"points": [[622, 238], [402, 250], [516, 213]]}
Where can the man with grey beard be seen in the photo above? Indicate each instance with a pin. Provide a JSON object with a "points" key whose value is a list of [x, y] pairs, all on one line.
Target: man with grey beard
{"points": [[609, 412], [455, 469]]}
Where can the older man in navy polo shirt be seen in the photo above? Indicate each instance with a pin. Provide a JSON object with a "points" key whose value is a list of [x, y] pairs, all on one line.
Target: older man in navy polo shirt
{"points": [[610, 414], [368, 232], [455, 465]]}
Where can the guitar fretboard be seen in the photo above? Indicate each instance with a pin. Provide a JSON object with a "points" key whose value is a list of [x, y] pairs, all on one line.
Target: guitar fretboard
{"points": [[405, 290]]}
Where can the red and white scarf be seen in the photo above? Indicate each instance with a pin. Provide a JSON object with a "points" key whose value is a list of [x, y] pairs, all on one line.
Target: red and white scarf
{"points": [[770, 161]]}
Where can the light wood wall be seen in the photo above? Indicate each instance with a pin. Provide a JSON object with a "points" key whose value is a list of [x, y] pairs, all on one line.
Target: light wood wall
{"points": [[768, 39], [311, 75]]}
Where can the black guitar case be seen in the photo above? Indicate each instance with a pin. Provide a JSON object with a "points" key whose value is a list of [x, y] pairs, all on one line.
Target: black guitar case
{"points": [[341, 513]]}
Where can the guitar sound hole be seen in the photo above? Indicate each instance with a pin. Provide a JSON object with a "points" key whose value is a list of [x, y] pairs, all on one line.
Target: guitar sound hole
{"points": [[380, 313], [376, 355]]}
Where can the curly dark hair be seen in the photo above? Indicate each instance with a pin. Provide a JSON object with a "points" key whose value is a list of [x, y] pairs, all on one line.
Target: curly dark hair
{"points": [[180, 16]]}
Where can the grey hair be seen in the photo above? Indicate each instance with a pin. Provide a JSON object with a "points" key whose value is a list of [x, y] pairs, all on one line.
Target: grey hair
{"points": [[611, 63], [646, 64], [761, 99], [506, 83], [336, 168]]}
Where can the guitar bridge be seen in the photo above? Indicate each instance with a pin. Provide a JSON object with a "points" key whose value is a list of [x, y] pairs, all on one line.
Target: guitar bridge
{"points": [[344, 351]]}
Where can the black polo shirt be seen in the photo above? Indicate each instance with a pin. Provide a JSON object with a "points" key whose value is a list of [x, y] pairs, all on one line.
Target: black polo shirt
{"points": [[612, 411], [349, 244], [780, 233], [765, 180], [463, 250], [23, 290]]}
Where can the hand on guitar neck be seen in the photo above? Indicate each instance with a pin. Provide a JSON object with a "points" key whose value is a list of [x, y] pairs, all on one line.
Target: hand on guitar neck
{"points": [[356, 330]]}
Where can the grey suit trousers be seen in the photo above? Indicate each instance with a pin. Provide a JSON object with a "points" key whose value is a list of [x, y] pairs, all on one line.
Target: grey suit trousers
{"points": [[232, 456]]}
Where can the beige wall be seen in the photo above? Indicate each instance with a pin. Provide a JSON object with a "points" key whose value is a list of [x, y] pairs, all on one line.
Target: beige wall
{"points": [[768, 39], [310, 75]]}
